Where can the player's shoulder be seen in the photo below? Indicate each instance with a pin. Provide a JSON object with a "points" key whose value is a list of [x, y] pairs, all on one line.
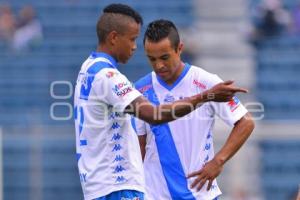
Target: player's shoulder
{"points": [[144, 83], [208, 78], [202, 72]]}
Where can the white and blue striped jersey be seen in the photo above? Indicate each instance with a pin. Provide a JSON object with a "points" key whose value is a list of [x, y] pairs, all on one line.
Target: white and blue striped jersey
{"points": [[178, 148], [107, 146]]}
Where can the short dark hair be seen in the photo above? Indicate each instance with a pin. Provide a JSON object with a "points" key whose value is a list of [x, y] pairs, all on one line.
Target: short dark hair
{"points": [[124, 10], [113, 19], [161, 29]]}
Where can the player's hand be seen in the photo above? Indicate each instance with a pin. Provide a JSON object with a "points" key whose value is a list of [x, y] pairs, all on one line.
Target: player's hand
{"points": [[208, 173], [223, 92]]}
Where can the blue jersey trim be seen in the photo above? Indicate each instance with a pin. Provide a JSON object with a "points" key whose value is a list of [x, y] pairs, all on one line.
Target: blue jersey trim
{"points": [[168, 155], [146, 80], [133, 124], [105, 55], [78, 156], [91, 73], [81, 120], [182, 75], [83, 142]]}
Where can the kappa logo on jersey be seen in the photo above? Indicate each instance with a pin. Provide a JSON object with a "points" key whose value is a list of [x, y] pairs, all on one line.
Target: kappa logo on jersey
{"points": [[121, 89], [169, 98], [119, 169], [115, 125], [209, 136], [199, 84], [207, 146], [120, 179], [117, 147], [118, 158], [111, 74], [206, 159], [116, 137], [233, 104], [114, 115]]}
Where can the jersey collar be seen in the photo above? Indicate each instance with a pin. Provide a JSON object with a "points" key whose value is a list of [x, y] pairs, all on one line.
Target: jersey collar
{"points": [[105, 55], [182, 75]]}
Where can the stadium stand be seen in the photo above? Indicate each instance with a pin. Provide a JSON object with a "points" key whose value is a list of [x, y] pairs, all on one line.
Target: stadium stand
{"points": [[278, 83], [277, 72], [49, 170], [33, 168], [280, 168], [278, 88]]}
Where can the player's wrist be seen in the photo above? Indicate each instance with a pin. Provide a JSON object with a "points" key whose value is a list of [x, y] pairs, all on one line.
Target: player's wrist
{"points": [[204, 96], [220, 160]]}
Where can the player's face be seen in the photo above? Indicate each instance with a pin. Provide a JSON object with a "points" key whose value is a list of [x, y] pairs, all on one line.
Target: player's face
{"points": [[164, 59], [126, 42]]}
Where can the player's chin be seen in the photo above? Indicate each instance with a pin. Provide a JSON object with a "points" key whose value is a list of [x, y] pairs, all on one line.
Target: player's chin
{"points": [[125, 59], [164, 76]]}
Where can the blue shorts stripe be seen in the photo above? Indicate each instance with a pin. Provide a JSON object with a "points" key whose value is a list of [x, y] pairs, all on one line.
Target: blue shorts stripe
{"points": [[123, 194]]}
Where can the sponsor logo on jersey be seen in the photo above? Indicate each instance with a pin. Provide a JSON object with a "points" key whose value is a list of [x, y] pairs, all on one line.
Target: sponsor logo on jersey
{"points": [[121, 89], [145, 88], [199, 84], [120, 86], [110, 74], [233, 104]]}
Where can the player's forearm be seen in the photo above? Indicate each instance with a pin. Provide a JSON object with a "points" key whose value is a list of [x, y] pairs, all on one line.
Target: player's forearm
{"points": [[170, 112], [236, 139]]}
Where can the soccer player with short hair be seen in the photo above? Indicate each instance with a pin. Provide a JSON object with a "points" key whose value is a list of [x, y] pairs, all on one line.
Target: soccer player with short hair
{"points": [[107, 147], [178, 156]]}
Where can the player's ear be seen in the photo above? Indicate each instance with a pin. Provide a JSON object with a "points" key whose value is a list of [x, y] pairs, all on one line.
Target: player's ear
{"points": [[112, 37], [180, 48]]}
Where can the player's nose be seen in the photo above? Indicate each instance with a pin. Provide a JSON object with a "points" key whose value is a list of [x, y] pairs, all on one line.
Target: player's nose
{"points": [[159, 65]]}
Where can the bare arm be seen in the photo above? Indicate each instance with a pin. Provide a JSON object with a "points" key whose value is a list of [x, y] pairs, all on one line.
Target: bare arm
{"points": [[239, 134], [142, 141], [144, 110]]}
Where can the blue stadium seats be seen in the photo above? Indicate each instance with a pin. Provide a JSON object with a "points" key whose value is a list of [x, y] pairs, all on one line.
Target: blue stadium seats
{"points": [[280, 171], [69, 37], [25, 79], [58, 172], [277, 73], [16, 167]]}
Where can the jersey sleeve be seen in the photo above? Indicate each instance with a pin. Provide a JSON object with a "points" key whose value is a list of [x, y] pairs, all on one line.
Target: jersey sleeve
{"points": [[230, 112], [115, 89], [140, 127]]}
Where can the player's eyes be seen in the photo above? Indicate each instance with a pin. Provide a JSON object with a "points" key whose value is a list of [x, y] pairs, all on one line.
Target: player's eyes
{"points": [[151, 59], [165, 57]]}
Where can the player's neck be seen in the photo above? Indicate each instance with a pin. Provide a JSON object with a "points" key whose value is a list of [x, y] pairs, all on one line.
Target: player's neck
{"points": [[105, 49], [174, 78]]}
